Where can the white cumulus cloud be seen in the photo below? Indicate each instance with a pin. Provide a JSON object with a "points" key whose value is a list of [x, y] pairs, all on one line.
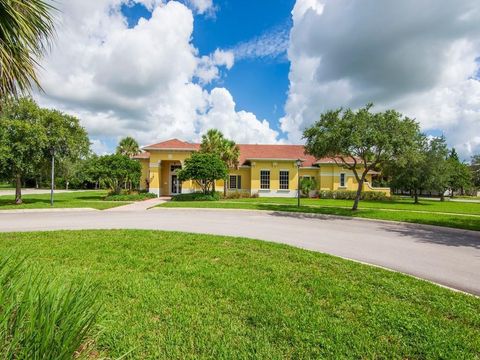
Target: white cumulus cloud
{"points": [[420, 57], [138, 81]]}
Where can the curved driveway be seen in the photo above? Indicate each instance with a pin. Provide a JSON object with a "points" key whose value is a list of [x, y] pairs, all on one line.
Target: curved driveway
{"points": [[446, 256]]}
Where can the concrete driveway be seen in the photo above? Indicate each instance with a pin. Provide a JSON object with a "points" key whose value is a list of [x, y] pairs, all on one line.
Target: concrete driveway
{"points": [[445, 256]]}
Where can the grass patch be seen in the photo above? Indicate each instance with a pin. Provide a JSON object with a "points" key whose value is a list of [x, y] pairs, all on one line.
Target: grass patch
{"points": [[169, 295], [42, 318], [429, 212], [77, 199]]}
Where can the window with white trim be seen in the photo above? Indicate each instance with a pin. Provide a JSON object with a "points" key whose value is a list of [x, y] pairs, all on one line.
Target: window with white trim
{"points": [[284, 180], [342, 180], [265, 179]]}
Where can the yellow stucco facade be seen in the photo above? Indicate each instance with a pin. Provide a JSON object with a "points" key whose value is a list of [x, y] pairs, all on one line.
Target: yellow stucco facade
{"points": [[265, 177]]}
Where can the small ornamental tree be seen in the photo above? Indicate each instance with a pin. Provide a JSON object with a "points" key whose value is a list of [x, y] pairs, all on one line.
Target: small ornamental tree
{"points": [[204, 169], [361, 141], [115, 170]]}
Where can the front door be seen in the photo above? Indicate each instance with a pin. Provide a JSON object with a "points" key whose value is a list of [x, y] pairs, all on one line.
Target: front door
{"points": [[176, 185]]}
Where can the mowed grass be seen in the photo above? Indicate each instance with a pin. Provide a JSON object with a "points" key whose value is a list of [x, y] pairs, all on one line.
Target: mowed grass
{"points": [[449, 214], [76, 199], [170, 295]]}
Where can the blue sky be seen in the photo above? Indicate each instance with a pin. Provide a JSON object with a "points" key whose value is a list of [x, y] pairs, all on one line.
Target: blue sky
{"points": [[230, 70], [258, 85]]}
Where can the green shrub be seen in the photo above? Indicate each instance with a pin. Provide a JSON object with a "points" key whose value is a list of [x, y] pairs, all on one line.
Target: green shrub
{"points": [[350, 195], [130, 196], [307, 185], [198, 196], [41, 318], [239, 195]]}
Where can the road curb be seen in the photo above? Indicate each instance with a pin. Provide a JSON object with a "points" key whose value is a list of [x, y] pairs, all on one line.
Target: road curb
{"points": [[22, 211]]}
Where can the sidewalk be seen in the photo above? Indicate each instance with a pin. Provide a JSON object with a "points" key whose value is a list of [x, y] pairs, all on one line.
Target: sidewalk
{"points": [[140, 205]]}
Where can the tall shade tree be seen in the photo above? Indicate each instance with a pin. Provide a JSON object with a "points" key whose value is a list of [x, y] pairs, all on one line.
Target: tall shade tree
{"points": [[361, 141], [408, 172], [214, 142], [26, 27], [438, 167], [128, 146], [29, 134], [460, 175], [475, 169]]}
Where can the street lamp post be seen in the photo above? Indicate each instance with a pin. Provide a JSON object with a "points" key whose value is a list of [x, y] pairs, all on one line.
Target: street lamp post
{"points": [[52, 152], [299, 163]]}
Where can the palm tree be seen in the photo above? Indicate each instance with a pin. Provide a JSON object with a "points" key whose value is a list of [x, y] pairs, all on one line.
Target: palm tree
{"points": [[26, 27], [214, 142], [128, 146]]}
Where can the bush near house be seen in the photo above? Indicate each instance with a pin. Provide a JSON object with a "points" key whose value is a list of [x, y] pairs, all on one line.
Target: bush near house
{"points": [[129, 196], [198, 196], [350, 195], [240, 195]]}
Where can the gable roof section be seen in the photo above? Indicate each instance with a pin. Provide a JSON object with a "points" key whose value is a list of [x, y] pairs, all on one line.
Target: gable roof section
{"points": [[173, 144]]}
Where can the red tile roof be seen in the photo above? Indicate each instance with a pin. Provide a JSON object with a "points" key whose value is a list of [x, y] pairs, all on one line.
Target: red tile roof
{"points": [[142, 155], [173, 144], [274, 152], [247, 152]]}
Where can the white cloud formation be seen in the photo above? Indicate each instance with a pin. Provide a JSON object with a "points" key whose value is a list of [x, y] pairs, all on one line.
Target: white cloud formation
{"points": [[202, 6], [271, 44], [416, 56], [139, 81]]}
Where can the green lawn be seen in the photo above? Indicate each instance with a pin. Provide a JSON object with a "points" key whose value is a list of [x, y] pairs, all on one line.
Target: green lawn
{"points": [[170, 295], [77, 199], [451, 214]]}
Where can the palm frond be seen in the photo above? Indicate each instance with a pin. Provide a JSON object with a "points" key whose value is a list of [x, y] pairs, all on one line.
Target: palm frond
{"points": [[26, 31]]}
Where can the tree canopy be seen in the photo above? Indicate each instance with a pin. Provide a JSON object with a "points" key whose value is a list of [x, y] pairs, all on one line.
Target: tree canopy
{"points": [[214, 142], [361, 140], [204, 169], [128, 146], [29, 134]]}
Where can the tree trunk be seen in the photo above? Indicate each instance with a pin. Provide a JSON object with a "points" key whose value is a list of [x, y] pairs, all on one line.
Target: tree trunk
{"points": [[442, 196], [359, 193], [18, 189], [416, 197], [225, 188]]}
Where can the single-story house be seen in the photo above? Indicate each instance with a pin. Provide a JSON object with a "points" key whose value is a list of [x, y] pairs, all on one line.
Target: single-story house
{"points": [[266, 170]]}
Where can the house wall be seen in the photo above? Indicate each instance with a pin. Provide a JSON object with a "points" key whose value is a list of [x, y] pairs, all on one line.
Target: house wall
{"points": [[327, 176]]}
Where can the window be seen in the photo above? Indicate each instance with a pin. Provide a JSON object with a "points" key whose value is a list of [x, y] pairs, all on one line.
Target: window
{"points": [[235, 182], [265, 179], [284, 180], [342, 180]]}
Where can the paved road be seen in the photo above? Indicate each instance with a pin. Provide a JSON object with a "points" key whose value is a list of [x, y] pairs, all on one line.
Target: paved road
{"points": [[446, 256]]}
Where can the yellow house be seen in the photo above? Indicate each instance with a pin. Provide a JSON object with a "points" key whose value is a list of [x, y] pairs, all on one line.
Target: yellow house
{"points": [[266, 170]]}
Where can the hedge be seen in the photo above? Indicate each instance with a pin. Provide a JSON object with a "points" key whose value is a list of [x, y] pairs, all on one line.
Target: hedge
{"points": [[350, 195], [198, 196]]}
